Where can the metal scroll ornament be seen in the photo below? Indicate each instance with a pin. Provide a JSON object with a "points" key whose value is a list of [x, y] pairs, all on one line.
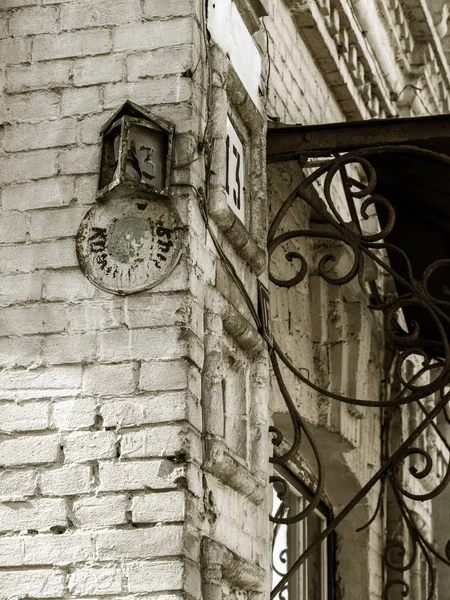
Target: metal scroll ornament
{"points": [[358, 180]]}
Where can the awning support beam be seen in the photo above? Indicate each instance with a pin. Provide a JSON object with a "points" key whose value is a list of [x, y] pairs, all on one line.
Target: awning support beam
{"points": [[286, 142]]}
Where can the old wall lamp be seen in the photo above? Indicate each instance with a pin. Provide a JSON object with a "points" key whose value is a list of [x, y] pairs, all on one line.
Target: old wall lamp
{"points": [[136, 153], [132, 238]]}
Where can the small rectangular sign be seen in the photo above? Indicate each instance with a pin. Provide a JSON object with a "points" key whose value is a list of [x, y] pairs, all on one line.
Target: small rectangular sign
{"points": [[234, 183], [229, 31]]}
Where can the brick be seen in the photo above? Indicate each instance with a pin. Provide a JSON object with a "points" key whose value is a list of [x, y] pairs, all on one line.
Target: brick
{"points": [[6, 4], [86, 187], [69, 480], [115, 346], [40, 383], [79, 160], [181, 279], [98, 69], [15, 51], [23, 78], [164, 61], [25, 258], [147, 344], [80, 101], [30, 165], [138, 475], [57, 550], [19, 288], [100, 511], [155, 310], [90, 581], [91, 317], [78, 413], [140, 543], [29, 450], [48, 224], [33, 21], [149, 91], [40, 194], [20, 352], [30, 416], [42, 583], [91, 126], [17, 485], [156, 576], [157, 508], [164, 375], [67, 285], [109, 379], [153, 34], [66, 349], [156, 441], [34, 514], [12, 228], [83, 446], [81, 15], [25, 320], [175, 406], [168, 8], [11, 551], [41, 550], [35, 106], [183, 114], [25, 136], [68, 45]]}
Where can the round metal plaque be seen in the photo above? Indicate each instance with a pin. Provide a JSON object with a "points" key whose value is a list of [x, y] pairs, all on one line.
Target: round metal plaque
{"points": [[127, 245]]}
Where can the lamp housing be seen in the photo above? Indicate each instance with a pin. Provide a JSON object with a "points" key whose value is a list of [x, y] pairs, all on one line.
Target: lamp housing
{"points": [[136, 153]]}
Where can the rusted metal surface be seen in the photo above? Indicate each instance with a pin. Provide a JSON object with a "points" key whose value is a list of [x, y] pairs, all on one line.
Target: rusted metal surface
{"points": [[132, 239], [129, 244], [397, 559], [137, 152], [293, 141]]}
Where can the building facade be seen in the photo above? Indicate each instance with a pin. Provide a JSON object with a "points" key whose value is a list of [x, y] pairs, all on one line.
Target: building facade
{"points": [[165, 374]]}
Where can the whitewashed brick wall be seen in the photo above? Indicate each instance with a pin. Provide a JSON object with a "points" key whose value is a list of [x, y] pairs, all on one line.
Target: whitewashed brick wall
{"points": [[99, 395], [121, 450], [298, 92]]}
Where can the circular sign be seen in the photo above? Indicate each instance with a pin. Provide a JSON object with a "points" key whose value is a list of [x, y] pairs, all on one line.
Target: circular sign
{"points": [[126, 245]]}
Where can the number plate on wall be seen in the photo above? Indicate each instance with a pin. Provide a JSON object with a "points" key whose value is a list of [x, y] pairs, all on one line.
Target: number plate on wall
{"points": [[234, 184]]}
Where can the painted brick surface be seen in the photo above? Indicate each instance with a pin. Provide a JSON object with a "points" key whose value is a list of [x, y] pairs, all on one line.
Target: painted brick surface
{"points": [[132, 428], [45, 583], [156, 508], [298, 92], [101, 511], [75, 413]]}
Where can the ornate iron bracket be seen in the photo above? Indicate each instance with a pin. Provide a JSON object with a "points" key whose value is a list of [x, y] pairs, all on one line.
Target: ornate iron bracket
{"points": [[415, 295]]}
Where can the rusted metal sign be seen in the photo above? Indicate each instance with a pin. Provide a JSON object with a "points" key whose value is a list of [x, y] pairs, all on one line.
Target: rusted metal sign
{"points": [[127, 245]]}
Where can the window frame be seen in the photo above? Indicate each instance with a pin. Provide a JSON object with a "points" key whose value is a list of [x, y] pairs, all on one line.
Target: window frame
{"points": [[328, 548]]}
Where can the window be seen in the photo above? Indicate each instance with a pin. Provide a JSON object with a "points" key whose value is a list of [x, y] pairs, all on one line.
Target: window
{"points": [[314, 579]]}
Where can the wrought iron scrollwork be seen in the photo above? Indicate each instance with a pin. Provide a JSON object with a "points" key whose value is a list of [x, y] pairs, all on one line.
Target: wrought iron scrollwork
{"points": [[418, 543], [365, 246]]}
